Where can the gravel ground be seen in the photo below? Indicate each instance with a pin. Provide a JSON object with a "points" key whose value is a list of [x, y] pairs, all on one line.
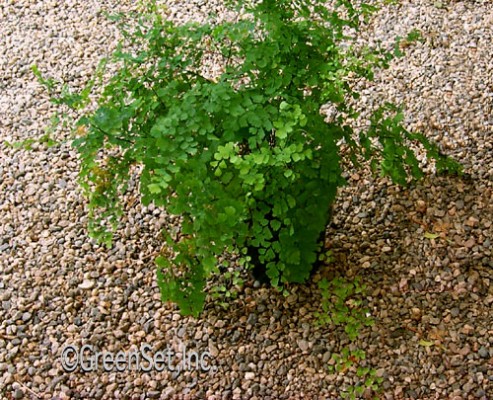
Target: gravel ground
{"points": [[424, 252]]}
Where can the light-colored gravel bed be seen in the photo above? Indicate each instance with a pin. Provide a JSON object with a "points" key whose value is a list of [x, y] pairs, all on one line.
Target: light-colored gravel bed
{"points": [[425, 252]]}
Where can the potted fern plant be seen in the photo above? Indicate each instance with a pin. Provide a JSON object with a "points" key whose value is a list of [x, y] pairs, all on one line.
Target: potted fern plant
{"points": [[244, 155]]}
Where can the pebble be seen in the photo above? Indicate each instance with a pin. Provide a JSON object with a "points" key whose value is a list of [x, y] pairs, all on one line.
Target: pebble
{"points": [[26, 316], [219, 324], [252, 319], [249, 376], [87, 284], [304, 345], [455, 312], [483, 352]]}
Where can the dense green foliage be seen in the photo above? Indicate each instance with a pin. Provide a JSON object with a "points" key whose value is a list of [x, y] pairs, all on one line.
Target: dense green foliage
{"points": [[244, 157]]}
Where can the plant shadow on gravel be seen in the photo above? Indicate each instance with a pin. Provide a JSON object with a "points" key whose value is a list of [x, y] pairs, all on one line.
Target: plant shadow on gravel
{"points": [[425, 254]]}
